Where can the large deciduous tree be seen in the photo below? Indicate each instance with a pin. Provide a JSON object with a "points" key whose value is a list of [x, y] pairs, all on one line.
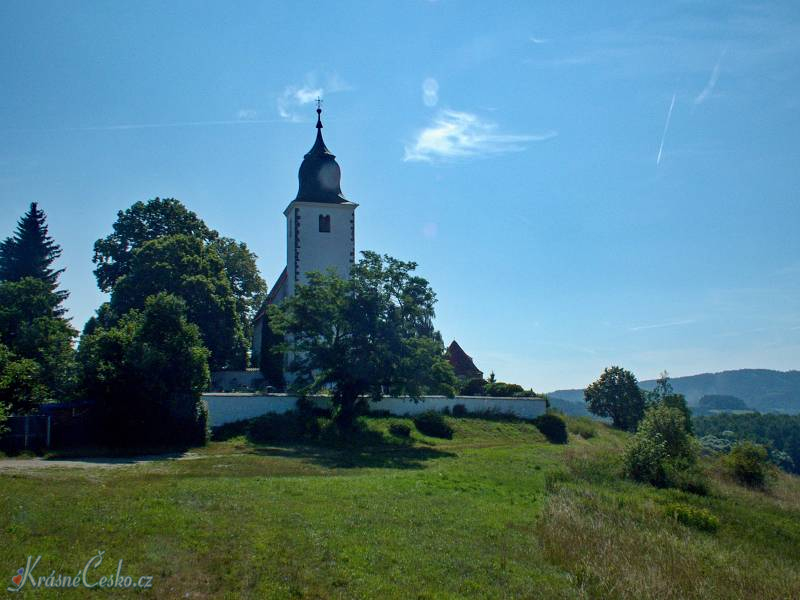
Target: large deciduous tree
{"points": [[616, 394], [147, 221], [364, 336], [147, 374], [186, 267]]}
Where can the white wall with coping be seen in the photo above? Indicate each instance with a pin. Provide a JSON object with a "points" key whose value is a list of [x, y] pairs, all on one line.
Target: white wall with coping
{"points": [[226, 408]]}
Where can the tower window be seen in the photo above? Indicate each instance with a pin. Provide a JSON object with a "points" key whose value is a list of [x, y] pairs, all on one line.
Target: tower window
{"points": [[324, 223]]}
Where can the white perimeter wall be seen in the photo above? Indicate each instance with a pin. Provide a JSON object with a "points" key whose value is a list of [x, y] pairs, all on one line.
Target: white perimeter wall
{"points": [[227, 408]]}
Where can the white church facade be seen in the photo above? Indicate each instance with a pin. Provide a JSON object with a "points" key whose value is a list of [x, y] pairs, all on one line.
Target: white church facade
{"points": [[320, 228]]}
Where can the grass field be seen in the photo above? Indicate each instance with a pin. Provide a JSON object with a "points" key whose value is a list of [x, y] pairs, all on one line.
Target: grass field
{"points": [[495, 512]]}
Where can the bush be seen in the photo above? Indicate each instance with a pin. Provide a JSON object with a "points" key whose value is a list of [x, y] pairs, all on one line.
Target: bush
{"points": [[400, 430], [697, 518], [662, 453], [553, 427], [275, 428], [459, 410], [584, 427], [685, 477], [433, 424], [473, 387], [748, 464]]}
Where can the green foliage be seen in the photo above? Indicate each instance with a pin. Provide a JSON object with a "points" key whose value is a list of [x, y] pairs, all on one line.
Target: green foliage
{"points": [[364, 336], [185, 267], [147, 374], [553, 427], [271, 361], [249, 289], [583, 426], [141, 223], [116, 257], [401, 430], [721, 402], [748, 464], [3, 418], [31, 328], [21, 386], [272, 428], [697, 518], [779, 433], [661, 450], [433, 424], [473, 387], [616, 394], [30, 252], [459, 410]]}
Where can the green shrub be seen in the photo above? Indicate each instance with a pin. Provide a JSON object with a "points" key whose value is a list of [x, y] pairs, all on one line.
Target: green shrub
{"points": [[473, 387], [697, 518], [644, 460], [275, 428], [748, 464], [400, 430], [459, 410], [584, 427], [686, 477], [553, 427], [433, 424]]}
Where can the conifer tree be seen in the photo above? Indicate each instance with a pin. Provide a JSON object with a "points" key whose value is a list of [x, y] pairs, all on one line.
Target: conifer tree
{"points": [[30, 252]]}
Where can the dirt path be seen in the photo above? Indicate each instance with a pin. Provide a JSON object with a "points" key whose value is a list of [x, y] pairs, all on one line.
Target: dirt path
{"points": [[27, 464]]}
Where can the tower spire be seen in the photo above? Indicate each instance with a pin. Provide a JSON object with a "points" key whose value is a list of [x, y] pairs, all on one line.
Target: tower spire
{"points": [[319, 112]]}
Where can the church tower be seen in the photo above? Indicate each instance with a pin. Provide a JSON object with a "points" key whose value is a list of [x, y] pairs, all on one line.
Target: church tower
{"points": [[320, 221], [320, 230]]}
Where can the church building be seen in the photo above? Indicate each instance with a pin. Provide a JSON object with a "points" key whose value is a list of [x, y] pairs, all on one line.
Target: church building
{"points": [[320, 228]]}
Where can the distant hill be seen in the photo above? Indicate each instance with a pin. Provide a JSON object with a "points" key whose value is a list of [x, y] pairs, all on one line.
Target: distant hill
{"points": [[763, 390]]}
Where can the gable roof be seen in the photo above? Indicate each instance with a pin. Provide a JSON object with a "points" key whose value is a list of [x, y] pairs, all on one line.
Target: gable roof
{"points": [[462, 362], [275, 293]]}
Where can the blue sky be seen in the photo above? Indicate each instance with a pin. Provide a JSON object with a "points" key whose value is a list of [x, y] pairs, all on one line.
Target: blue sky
{"points": [[583, 185]]}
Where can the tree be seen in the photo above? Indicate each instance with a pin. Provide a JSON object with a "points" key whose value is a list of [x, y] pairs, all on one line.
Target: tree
{"points": [[21, 387], [157, 218], [141, 223], [616, 394], [661, 447], [147, 374], [184, 266], [664, 394], [271, 355], [249, 289], [364, 336], [31, 329], [30, 252]]}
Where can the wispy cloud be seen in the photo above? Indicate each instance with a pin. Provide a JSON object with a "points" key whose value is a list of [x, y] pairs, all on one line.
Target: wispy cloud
{"points": [[666, 128], [662, 325], [246, 114], [538, 40], [457, 135], [294, 97], [430, 92], [712, 81]]}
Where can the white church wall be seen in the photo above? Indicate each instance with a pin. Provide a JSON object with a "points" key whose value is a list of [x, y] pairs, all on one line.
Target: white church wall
{"points": [[318, 251], [227, 408]]}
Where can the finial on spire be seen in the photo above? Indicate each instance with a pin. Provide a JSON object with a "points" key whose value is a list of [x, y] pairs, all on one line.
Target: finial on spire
{"points": [[319, 112]]}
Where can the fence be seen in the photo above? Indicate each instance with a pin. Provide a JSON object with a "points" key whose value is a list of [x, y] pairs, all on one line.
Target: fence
{"points": [[27, 433]]}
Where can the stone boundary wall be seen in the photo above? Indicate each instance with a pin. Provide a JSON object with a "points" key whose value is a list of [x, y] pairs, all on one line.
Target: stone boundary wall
{"points": [[229, 407]]}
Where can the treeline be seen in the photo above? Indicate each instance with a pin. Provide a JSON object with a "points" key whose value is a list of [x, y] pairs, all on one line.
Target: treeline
{"points": [[181, 302], [779, 433]]}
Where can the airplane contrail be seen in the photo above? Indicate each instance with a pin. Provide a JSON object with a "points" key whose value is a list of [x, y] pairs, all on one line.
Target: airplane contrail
{"points": [[666, 127]]}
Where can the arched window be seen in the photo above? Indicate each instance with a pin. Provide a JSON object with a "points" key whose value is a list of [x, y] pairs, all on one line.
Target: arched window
{"points": [[324, 223]]}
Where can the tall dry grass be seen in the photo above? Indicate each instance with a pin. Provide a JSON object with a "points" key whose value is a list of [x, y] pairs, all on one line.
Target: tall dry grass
{"points": [[628, 549]]}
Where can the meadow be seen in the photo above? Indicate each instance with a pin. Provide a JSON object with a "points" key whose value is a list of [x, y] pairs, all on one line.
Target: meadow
{"points": [[494, 512]]}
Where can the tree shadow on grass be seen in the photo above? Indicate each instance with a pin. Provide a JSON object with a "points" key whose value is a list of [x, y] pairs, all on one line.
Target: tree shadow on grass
{"points": [[287, 436], [390, 456]]}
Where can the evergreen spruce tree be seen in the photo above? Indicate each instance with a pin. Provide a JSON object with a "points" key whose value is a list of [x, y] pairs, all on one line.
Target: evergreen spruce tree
{"points": [[30, 252]]}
